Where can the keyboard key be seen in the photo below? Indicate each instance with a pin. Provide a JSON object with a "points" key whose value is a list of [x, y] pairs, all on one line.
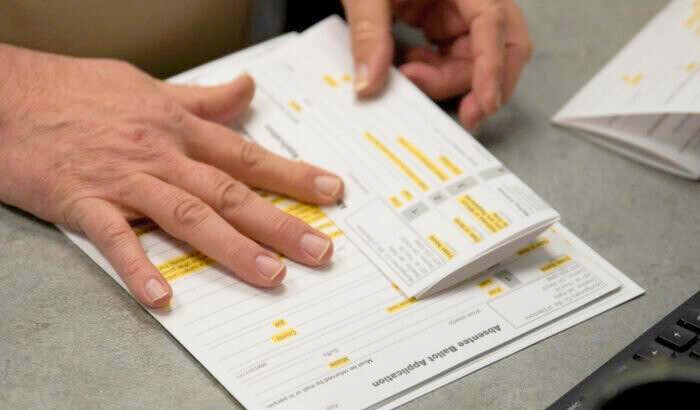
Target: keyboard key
{"points": [[677, 338], [653, 352], [691, 320]]}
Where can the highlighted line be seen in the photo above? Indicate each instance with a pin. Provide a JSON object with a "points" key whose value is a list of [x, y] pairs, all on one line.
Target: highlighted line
{"points": [[294, 105], [401, 305], [184, 265], [533, 246], [330, 80], [450, 165], [283, 335], [441, 246], [384, 150], [555, 263], [469, 231], [492, 221], [339, 362], [423, 159]]}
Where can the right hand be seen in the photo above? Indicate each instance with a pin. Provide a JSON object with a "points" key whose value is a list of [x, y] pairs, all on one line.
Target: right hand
{"points": [[477, 50], [91, 144]]}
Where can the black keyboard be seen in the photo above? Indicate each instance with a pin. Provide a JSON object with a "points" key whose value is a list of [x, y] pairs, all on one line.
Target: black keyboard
{"points": [[673, 342]]}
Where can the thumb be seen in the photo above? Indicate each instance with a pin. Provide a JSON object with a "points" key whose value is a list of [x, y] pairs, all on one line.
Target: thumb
{"points": [[372, 43], [221, 103]]}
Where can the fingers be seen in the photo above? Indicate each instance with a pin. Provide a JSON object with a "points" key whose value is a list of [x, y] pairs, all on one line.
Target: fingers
{"points": [[109, 231], [442, 22], [255, 166], [372, 42], [518, 48], [487, 22], [438, 77], [220, 104], [470, 113], [252, 215], [191, 220]]}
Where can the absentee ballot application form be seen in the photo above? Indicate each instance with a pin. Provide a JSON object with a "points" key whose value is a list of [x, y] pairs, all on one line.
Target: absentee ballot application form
{"points": [[346, 336]]}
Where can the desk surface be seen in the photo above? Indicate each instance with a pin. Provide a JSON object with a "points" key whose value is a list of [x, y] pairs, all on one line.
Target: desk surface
{"points": [[72, 338]]}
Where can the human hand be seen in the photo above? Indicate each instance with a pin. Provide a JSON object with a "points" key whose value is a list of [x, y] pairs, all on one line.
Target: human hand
{"points": [[91, 144], [482, 47]]}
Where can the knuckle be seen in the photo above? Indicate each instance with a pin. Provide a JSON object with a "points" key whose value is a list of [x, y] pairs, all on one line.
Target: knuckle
{"points": [[115, 236], [238, 250], [498, 8], [233, 197], [74, 213], [301, 171], [172, 115], [132, 269], [287, 227], [251, 155], [142, 136], [129, 185], [497, 14], [190, 213], [364, 31], [144, 144]]}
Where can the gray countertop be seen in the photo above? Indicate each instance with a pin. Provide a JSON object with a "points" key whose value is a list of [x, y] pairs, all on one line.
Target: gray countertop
{"points": [[70, 337]]}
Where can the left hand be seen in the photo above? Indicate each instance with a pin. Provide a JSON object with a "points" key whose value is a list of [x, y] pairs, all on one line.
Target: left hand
{"points": [[482, 47]]}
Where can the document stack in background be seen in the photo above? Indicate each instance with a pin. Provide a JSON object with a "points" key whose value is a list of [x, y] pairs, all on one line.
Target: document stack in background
{"points": [[645, 103], [423, 200]]}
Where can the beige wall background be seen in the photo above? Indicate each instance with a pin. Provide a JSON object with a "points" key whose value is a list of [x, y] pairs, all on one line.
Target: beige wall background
{"points": [[162, 37]]}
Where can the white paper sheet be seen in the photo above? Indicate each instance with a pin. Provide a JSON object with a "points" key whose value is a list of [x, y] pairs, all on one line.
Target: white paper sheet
{"points": [[645, 103]]}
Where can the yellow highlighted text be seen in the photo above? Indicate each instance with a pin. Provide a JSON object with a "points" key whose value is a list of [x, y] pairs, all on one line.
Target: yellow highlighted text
{"points": [[533, 246], [279, 323], [555, 263], [184, 265], [423, 159], [283, 335], [468, 230], [339, 362], [441, 246], [394, 159], [294, 105], [450, 165], [401, 305]]}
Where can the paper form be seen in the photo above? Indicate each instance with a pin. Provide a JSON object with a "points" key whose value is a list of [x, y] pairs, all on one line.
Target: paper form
{"points": [[628, 290], [424, 201], [645, 103], [345, 337]]}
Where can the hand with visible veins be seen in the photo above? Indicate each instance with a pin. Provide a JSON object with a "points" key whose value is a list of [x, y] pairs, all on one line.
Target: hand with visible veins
{"points": [[479, 48], [91, 144]]}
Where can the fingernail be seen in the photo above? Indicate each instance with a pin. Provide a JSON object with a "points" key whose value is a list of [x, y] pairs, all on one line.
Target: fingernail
{"points": [[155, 290], [327, 185], [268, 267], [315, 246], [361, 77]]}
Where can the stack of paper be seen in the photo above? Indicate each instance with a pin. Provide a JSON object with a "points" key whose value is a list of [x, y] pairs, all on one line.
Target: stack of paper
{"points": [[645, 103], [423, 197]]}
